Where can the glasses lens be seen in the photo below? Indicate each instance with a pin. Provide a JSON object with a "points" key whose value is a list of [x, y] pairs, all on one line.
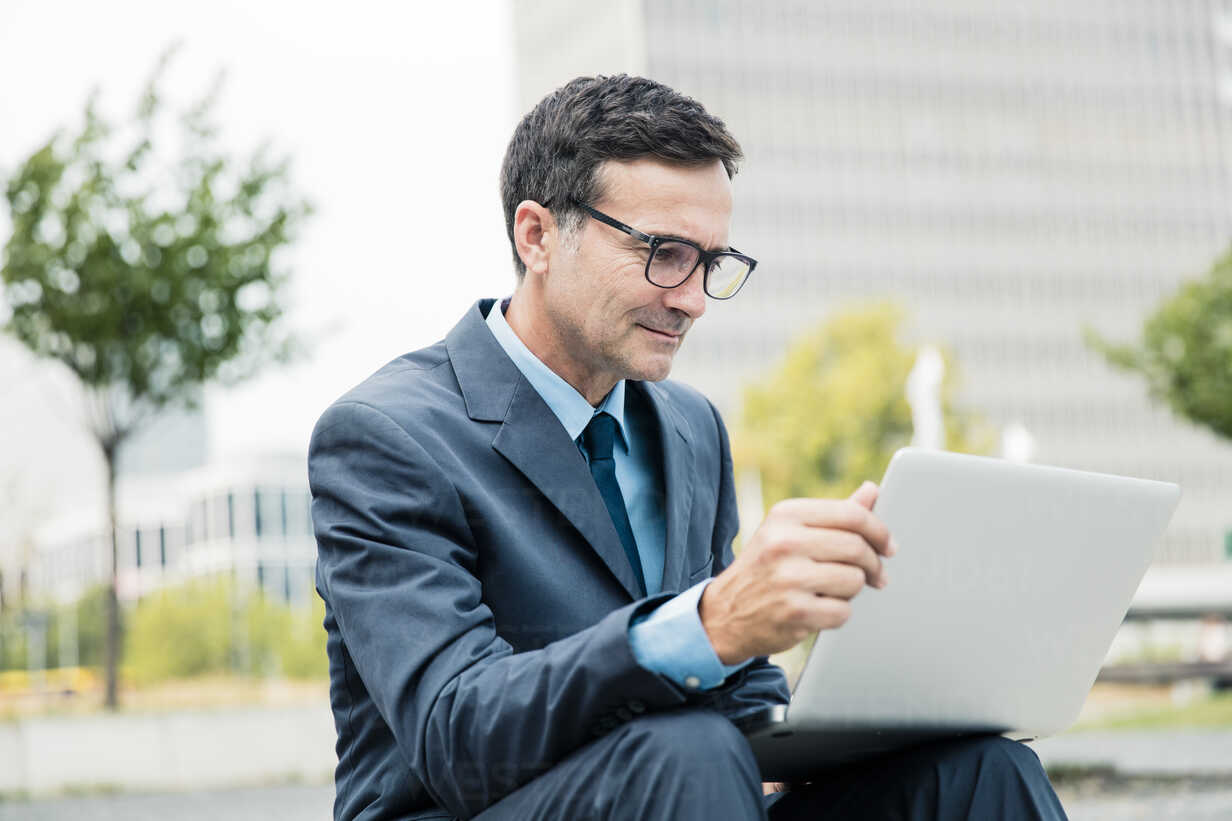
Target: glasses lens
{"points": [[671, 262], [727, 274]]}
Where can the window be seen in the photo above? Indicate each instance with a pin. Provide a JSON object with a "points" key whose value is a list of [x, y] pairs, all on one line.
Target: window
{"points": [[256, 511], [220, 518], [296, 516], [270, 514]]}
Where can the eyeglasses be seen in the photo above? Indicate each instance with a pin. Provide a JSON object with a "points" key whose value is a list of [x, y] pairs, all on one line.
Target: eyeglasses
{"points": [[672, 261]]}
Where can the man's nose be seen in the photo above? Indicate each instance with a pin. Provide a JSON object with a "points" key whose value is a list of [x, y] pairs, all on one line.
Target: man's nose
{"points": [[689, 297]]}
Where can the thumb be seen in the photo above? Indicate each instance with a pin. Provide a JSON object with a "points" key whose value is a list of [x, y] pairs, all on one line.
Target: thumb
{"points": [[865, 495]]}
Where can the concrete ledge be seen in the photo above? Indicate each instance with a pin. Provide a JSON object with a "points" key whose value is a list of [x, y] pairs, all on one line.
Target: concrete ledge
{"points": [[1142, 752], [167, 751]]}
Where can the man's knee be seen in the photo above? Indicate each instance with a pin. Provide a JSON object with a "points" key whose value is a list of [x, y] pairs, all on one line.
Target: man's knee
{"points": [[686, 738], [1006, 779], [687, 746], [1000, 755], [686, 764]]}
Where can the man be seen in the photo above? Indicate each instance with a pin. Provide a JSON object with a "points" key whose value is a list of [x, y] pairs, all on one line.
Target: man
{"points": [[524, 533]]}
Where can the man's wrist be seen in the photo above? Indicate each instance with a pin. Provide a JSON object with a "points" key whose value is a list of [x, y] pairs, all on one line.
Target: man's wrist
{"points": [[672, 642], [708, 616]]}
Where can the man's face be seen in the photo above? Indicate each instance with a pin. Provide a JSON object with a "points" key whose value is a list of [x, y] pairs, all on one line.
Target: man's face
{"points": [[613, 323]]}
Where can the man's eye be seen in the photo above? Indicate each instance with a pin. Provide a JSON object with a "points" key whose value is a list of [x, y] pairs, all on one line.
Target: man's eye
{"points": [[668, 253]]}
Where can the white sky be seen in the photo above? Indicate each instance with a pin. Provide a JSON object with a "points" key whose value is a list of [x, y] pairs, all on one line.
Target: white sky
{"points": [[396, 116]]}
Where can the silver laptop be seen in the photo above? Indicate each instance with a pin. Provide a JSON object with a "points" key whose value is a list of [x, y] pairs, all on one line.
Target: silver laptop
{"points": [[1007, 590]]}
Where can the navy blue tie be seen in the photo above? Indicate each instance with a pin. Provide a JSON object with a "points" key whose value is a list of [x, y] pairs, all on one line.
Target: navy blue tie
{"points": [[597, 440]]}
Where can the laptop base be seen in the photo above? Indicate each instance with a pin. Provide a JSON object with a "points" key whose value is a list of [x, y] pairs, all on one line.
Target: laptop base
{"points": [[796, 754]]}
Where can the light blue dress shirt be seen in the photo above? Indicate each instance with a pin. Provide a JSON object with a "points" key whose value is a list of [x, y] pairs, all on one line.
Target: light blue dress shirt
{"points": [[671, 640]]}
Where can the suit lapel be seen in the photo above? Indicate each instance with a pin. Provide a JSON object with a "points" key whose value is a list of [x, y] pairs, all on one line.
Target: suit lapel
{"points": [[675, 443], [532, 438]]}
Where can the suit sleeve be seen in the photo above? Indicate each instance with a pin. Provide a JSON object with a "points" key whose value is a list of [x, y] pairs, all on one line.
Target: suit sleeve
{"points": [[397, 566], [760, 684]]}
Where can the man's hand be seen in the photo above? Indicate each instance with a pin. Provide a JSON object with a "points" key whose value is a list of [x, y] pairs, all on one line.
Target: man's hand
{"points": [[796, 575]]}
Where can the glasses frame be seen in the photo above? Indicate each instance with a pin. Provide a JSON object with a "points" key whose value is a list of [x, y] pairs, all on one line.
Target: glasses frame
{"points": [[705, 258]]}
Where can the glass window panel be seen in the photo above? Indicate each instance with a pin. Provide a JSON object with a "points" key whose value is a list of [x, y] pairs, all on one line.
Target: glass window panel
{"points": [[220, 520], [273, 518], [298, 518], [256, 512]]}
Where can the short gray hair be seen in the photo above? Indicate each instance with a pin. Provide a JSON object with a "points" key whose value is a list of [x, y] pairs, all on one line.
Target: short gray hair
{"points": [[556, 150]]}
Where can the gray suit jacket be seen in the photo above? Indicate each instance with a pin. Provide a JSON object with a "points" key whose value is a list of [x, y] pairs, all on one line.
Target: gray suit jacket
{"points": [[477, 597]]}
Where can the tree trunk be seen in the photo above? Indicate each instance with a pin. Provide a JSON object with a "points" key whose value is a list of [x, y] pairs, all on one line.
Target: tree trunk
{"points": [[111, 654]]}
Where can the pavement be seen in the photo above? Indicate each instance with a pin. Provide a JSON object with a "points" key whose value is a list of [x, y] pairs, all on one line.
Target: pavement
{"points": [[314, 803], [298, 802], [1153, 801]]}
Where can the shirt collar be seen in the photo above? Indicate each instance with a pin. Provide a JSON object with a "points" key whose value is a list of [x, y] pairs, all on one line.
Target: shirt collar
{"points": [[570, 407]]}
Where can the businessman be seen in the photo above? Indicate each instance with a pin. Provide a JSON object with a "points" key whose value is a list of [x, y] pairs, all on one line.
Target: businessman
{"points": [[524, 531]]}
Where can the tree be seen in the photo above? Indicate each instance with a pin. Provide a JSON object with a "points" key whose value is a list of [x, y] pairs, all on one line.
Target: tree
{"points": [[1186, 350], [835, 410], [147, 273]]}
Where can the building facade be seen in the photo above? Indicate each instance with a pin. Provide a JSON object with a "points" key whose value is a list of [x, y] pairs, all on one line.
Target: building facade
{"points": [[249, 522], [1007, 174]]}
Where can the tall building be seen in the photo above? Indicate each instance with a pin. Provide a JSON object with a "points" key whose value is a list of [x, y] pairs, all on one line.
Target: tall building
{"points": [[1008, 173]]}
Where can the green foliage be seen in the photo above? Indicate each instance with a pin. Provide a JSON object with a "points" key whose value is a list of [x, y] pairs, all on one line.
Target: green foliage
{"points": [[212, 627], [198, 628], [302, 650], [12, 641], [835, 410], [146, 275], [92, 626], [89, 622], [1186, 350], [181, 632], [286, 642]]}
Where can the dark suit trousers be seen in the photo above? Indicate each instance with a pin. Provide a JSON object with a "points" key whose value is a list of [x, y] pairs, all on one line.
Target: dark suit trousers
{"points": [[694, 764]]}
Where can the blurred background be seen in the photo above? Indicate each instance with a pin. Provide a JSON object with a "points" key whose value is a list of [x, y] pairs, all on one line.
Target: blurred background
{"points": [[996, 228]]}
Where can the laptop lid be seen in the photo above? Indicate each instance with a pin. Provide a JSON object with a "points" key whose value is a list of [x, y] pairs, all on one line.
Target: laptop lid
{"points": [[1008, 588]]}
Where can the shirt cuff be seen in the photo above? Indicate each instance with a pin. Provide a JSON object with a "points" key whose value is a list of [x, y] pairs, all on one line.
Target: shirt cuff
{"points": [[671, 641]]}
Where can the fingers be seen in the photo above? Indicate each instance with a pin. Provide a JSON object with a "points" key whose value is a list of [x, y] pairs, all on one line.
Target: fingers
{"points": [[842, 514], [865, 495], [840, 581], [851, 549], [825, 612], [828, 545]]}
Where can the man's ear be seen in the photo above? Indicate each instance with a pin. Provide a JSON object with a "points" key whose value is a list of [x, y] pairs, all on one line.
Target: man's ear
{"points": [[535, 235]]}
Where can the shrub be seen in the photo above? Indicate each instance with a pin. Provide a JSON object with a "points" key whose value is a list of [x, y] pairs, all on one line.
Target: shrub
{"points": [[213, 627]]}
